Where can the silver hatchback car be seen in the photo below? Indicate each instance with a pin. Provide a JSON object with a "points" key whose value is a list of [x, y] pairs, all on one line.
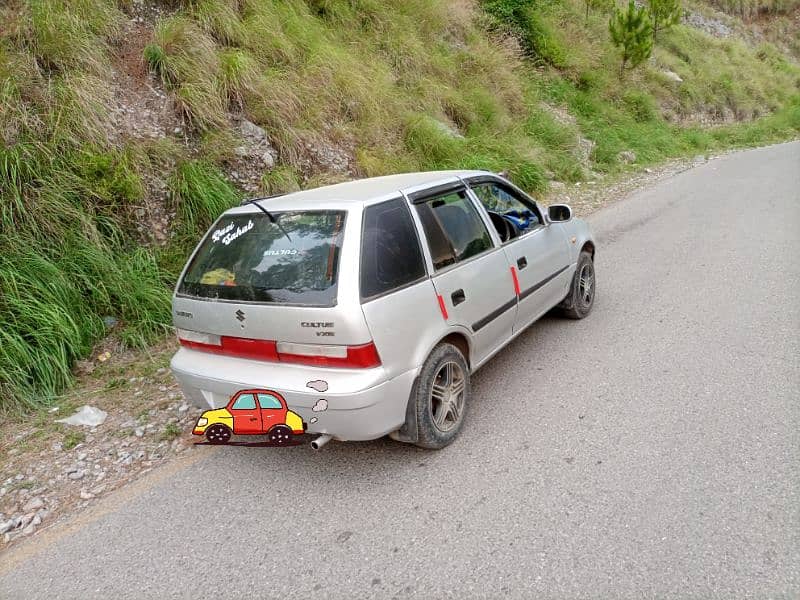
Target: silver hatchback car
{"points": [[367, 305]]}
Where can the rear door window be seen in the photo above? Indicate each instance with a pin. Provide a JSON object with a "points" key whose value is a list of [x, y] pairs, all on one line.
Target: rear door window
{"points": [[390, 254], [248, 258], [454, 230]]}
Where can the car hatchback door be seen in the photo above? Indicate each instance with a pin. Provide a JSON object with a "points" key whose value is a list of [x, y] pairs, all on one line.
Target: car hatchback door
{"points": [[470, 274]]}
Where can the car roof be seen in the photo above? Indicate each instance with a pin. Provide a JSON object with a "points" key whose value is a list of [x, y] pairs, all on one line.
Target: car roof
{"points": [[358, 192]]}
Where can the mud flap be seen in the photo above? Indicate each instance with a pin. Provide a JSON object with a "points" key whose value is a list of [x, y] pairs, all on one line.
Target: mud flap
{"points": [[409, 432]]}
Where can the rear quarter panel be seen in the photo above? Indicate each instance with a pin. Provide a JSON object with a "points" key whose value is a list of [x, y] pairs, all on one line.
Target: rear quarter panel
{"points": [[405, 325]]}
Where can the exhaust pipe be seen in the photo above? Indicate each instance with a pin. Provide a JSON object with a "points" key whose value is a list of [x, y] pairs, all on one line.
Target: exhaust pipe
{"points": [[318, 443]]}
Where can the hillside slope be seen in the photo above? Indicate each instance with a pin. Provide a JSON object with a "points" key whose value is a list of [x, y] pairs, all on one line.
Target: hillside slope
{"points": [[128, 126]]}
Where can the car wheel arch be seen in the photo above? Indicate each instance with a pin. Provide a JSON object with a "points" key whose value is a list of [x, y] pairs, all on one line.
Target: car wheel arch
{"points": [[588, 246], [409, 432], [460, 341]]}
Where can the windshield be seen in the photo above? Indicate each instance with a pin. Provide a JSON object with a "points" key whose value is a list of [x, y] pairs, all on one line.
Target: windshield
{"points": [[248, 258]]}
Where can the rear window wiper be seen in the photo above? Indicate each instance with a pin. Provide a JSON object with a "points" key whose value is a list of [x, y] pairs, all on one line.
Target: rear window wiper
{"points": [[270, 216]]}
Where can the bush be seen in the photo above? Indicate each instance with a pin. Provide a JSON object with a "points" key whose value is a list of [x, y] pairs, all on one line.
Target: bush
{"points": [[640, 105]]}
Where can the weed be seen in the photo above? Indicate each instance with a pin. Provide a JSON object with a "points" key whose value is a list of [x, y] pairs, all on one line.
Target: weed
{"points": [[171, 431], [25, 484], [200, 193], [115, 384], [72, 438]]}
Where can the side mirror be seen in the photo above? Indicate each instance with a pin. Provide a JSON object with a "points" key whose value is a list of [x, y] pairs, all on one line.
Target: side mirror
{"points": [[559, 213]]}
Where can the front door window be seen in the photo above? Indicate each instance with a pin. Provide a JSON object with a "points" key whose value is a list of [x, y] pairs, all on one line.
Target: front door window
{"points": [[512, 214]]}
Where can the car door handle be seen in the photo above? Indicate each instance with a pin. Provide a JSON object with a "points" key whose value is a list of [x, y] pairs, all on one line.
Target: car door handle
{"points": [[458, 297], [522, 262], [253, 419]]}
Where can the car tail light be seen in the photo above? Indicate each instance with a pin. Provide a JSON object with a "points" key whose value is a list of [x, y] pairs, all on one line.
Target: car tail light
{"points": [[200, 341], [363, 356], [357, 357]]}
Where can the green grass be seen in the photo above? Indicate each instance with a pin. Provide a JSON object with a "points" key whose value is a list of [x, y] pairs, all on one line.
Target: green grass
{"points": [[171, 431], [72, 438], [399, 85]]}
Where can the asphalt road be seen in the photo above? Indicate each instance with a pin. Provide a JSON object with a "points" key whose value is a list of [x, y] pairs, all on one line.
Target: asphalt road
{"points": [[649, 451]]}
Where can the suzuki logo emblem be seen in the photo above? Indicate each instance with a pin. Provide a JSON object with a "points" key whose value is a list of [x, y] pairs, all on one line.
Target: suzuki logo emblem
{"points": [[240, 316]]}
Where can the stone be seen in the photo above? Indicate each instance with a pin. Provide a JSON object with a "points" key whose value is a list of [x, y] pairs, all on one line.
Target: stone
{"points": [[584, 149], [627, 156], [7, 525], [253, 131], [183, 408], [76, 475], [138, 432], [86, 495], [673, 76], [33, 504], [28, 529], [82, 456]]}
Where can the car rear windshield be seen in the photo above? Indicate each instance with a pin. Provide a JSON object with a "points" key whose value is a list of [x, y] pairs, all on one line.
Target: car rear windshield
{"points": [[248, 258]]}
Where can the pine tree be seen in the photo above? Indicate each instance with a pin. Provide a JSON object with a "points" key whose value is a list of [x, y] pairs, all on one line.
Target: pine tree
{"points": [[632, 31], [665, 14]]}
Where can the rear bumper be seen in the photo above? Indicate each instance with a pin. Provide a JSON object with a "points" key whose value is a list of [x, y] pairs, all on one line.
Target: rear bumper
{"points": [[362, 404]]}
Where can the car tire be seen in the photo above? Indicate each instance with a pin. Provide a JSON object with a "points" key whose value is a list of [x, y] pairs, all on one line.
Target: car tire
{"points": [[580, 300], [219, 434], [280, 435], [441, 397]]}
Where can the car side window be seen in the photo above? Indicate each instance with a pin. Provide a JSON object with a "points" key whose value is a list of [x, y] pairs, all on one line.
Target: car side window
{"points": [[269, 401], [390, 253], [454, 230], [245, 402], [511, 213]]}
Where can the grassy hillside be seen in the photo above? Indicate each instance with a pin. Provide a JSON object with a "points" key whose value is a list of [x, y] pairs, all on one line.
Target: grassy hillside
{"points": [[128, 126]]}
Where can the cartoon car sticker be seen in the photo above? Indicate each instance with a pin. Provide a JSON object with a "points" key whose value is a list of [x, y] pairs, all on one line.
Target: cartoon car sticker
{"points": [[251, 412]]}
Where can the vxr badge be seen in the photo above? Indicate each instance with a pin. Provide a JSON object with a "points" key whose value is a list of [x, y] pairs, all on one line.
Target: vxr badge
{"points": [[240, 316]]}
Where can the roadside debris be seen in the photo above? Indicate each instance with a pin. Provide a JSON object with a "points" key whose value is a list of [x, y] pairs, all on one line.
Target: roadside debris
{"points": [[88, 416]]}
